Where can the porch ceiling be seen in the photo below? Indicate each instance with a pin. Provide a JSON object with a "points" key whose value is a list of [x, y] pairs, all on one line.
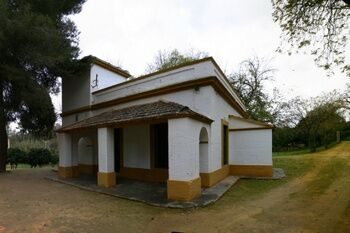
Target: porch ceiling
{"points": [[160, 110]]}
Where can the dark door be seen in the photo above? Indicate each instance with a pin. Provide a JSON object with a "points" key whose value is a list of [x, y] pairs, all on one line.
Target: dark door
{"points": [[117, 148], [160, 145]]}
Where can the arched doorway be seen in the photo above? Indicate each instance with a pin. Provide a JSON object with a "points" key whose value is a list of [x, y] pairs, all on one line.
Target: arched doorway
{"points": [[203, 150], [86, 156]]}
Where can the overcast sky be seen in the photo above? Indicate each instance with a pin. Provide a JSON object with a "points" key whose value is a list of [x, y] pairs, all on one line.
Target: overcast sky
{"points": [[129, 33]]}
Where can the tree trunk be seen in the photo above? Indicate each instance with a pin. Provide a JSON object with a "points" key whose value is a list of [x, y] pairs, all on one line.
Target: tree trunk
{"points": [[3, 132]]}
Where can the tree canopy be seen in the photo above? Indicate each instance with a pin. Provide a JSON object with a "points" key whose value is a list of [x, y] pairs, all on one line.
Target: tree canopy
{"points": [[321, 27], [38, 43], [249, 82], [167, 59]]}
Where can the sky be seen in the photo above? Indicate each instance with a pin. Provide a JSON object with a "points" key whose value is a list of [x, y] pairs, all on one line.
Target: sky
{"points": [[130, 33]]}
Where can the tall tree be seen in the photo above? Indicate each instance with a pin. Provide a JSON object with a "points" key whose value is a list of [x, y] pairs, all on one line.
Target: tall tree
{"points": [[38, 43], [322, 26], [249, 82], [167, 59]]}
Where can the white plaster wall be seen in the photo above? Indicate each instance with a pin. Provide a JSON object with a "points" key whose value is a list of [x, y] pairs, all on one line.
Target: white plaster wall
{"points": [[205, 101], [187, 73], [203, 158], [105, 78], [184, 149], [105, 150], [241, 124], [251, 147], [85, 151], [136, 146]]}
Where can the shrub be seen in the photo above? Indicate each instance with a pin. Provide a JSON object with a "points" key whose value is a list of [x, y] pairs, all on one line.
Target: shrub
{"points": [[54, 159], [16, 156], [39, 157]]}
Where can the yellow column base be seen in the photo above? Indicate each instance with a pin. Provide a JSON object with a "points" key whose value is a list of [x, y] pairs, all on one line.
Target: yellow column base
{"points": [[106, 179], [184, 190], [212, 178], [251, 170], [68, 172]]}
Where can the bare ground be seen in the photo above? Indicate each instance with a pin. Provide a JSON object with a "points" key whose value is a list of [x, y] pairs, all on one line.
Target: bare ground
{"points": [[317, 201]]}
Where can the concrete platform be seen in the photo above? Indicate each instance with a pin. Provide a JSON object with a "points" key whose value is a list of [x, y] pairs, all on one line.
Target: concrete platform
{"points": [[149, 193]]}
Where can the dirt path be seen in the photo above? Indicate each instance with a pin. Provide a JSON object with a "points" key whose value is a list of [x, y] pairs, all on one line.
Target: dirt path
{"points": [[314, 202]]}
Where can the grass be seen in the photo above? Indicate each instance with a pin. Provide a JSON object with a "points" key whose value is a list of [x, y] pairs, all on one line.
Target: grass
{"points": [[248, 189], [326, 176], [26, 166]]}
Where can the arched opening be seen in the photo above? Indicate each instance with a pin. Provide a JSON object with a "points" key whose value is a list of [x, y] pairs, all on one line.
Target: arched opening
{"points": [[203, 150], [86, 156]]}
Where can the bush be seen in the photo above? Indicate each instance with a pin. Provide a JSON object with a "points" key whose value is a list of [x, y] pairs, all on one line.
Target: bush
{"points": [[54, 159], [16, 156], [39, 157]]}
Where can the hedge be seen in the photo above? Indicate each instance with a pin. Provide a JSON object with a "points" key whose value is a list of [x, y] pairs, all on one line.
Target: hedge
{"points": [[37, 157]]}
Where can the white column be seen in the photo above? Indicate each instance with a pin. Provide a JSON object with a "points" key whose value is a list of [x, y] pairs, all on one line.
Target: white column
{"points": [[65, 149], [184, 182], [106, 176], [183, 149], [105, 150]]}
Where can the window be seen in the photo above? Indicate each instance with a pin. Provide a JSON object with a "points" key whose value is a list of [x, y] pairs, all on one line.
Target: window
{"points": [[160, 145], [225, 142]]}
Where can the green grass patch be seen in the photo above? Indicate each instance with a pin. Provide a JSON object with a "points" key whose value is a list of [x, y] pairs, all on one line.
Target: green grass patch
{"points": [[27, 166], [294, 166], [248, 189], [333, 170]]}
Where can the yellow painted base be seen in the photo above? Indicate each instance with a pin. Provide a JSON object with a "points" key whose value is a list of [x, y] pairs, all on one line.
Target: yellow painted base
{"points": [[68, 172], [251, 170], [106, 179], [152, 175], [211, 178], [184, 190], [88, 169]]}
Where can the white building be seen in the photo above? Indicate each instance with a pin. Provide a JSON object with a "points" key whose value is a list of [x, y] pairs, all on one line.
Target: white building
{"points": [[184, 126]]}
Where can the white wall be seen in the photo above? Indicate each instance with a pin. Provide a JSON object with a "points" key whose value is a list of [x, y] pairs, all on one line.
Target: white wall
{"points": [[243, 124], [251, 147], [105, 78], [183, 74], [184, 148], [136, 146], [85, 151], [205, 101]]}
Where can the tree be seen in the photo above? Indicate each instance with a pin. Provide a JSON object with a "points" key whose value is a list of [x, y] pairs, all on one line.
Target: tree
{"points": [[320, 25], [347, 96], [249, 83], [38, 43], [167, 59], [320, 125]]}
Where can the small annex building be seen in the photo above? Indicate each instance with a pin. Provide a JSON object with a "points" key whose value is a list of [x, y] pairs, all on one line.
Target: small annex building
{"points": [[184, 126]]}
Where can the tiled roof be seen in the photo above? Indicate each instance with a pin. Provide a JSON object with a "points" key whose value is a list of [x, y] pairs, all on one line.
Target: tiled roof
{"points": [[136, 114]]}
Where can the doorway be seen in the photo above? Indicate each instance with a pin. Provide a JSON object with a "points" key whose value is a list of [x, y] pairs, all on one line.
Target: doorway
{"points": [[118, 144]]}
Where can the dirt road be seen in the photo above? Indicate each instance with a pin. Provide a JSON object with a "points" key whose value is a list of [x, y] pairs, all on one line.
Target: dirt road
{"points": [[317, 201]]}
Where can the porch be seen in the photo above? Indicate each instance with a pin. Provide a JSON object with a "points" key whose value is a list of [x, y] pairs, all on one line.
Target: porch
{"points": [[160, 142], [154, 193]]}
